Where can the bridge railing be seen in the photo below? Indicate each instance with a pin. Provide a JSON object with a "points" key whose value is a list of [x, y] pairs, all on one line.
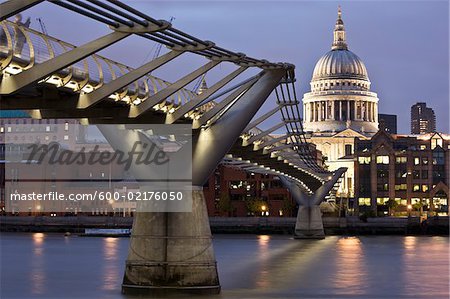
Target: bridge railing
{"points": [[22, 47]]}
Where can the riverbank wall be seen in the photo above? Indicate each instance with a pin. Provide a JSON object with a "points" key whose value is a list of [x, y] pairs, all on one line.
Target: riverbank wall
{"points": [[249, 225]]}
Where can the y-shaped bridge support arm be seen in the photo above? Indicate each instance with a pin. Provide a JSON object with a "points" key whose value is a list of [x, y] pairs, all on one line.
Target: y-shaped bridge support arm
{"points": [[309, 224]]}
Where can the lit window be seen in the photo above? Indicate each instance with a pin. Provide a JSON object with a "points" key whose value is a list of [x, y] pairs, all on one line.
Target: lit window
{"points": [[424, 160], [9, 129], [47, 129], [382, 200], [401, 187], [364, 160], [401, 201], [2, 130], [416, 160], [400, 160], [66, 137], [382, 159], [416, 188], [436, 141], [47, 138], [423, 147], [364, 201], [66, 126], [424, 188]]}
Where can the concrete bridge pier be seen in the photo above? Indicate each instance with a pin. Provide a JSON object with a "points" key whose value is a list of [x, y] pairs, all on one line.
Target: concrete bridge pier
{"points": [[172, 252], [309, 224]]}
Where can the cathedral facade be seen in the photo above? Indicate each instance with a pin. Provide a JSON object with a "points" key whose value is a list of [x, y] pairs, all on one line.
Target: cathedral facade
{"points": [[340, 107]]}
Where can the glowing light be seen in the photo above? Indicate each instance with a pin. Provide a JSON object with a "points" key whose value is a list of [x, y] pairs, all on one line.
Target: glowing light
{"points": [[263, 208]]}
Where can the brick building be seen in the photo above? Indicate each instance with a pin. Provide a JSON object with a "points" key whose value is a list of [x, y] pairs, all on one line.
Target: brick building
{"points": [[236, 193], [411, 171]]}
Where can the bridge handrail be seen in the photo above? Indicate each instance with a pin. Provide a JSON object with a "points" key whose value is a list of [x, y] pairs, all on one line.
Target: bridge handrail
{"points": [[27, 56]]}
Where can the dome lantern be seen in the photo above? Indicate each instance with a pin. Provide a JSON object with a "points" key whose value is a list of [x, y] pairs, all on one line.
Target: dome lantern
{"points": [[339, 41]]}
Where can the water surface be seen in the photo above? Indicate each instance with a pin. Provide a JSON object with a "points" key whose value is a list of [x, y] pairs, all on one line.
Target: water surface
{"points": [[38, 265]]}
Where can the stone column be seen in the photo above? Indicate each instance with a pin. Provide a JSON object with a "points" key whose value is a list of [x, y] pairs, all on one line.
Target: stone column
{"points": [[340, 110], [375, 105], [332, 110], [348, 110], [363, 110]]}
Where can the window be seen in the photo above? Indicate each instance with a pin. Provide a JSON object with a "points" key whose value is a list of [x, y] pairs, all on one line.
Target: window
{"points": [[382, 187], [401, 173], [66, 126], [382, 159], [416, 188], [416, 160], [66, 137], [348, 149], [424, 188], [436, 141], [425, 161], [400, 160], [423, 147], [416, 174], [401, 201], [382, 200], [401, 187], [364, 201], [364, 160], [438, 157], [382, 173], [47, 129], [424, 174]]}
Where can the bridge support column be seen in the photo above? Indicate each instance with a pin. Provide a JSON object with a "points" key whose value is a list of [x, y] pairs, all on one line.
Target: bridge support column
{"points": [[309, 224], [172, 252]]}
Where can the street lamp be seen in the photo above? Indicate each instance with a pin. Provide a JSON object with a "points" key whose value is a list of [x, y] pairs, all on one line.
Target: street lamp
{"points": [[409, 207]]}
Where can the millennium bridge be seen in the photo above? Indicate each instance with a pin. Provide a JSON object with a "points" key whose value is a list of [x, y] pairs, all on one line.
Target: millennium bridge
{"points": [[52, 79]]}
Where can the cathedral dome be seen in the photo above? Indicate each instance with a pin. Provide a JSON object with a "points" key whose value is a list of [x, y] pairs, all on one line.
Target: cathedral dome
{"points": [[340, 95], [340, 64]]}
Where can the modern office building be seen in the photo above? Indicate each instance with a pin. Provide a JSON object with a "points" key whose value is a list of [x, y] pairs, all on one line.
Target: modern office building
{"points": [[423, 119], [405, 170], [388, 122]]}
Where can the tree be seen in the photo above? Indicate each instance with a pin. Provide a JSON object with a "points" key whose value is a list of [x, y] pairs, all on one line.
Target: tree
{"points": [[224, 205], [256, 205], [418, 206], [392, 206], [288, 207]]}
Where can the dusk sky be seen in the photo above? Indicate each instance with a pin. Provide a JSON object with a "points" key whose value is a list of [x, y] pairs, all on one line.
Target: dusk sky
{"points": [[404, 44]]}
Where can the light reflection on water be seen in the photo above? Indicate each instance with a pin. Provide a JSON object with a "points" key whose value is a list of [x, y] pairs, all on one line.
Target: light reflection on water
{"points": [[350, 276], [37, 273], [249, 266], [111, 271]]}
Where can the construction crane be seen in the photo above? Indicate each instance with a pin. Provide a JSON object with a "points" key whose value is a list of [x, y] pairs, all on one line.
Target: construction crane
{"points": [[42, 25]]}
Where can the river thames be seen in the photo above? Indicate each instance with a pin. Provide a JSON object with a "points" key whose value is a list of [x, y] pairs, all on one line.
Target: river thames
{"points": [[37, 265]]}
